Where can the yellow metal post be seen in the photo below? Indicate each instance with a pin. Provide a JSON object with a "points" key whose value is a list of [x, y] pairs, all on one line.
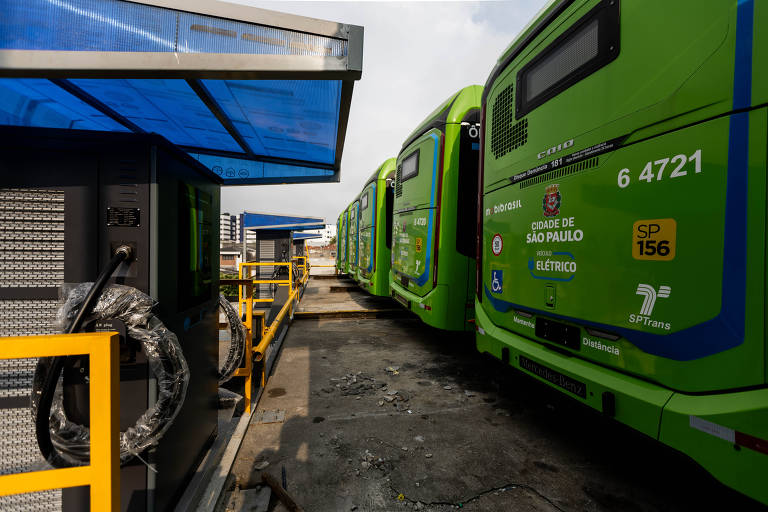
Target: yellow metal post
{"points": [[103, 473], [105, 426], [247, 301], [247, 370]]}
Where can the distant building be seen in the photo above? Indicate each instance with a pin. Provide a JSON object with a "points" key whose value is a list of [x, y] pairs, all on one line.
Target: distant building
{"points": [[326, 234], [230, 228], [229, 260]]}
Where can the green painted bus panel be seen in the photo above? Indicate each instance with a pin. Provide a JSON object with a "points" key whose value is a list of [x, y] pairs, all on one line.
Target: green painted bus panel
{"points": [[425, 224], [437, 308], [367, 197], [624, 221], [673, 418], [417, 192], [632, 97], [354, 240], [339, 257], [414, 220], [342, 241], [760, 56], [705, 428], [590, 248], [638, 403], [375, 255], [435, 114]]}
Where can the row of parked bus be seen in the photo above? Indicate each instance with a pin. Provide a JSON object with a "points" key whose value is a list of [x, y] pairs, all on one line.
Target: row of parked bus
{"points": [[597, 215]]}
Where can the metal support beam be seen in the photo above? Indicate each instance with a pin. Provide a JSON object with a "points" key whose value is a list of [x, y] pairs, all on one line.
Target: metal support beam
{"points": [[97, 104], [346, 102], [204, 94], [293, 162]]}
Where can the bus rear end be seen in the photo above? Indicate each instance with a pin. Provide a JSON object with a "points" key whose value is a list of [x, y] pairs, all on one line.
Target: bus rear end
{"points": [[622, 255], [343, 242], [353, 230], [433, 221], [338, 244]]}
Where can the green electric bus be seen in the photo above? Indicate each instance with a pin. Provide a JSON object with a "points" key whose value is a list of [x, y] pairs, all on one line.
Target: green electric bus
{"points": [[339, 260], [434, 218], [342, 242], [353, 238], [376, 203], [622, 258]]}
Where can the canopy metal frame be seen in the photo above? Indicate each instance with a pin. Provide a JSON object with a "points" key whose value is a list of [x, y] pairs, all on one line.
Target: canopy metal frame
{"points": [[61, 66]]}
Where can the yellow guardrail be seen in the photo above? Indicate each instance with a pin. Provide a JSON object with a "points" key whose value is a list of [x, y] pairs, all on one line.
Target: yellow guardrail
{"points": [[303, 267], [103, 472], [269, 331], [246, 302], [245, 271]]}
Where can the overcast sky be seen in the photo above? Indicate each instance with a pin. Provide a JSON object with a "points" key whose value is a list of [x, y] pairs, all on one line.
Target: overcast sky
{"points": [[415, 55]]}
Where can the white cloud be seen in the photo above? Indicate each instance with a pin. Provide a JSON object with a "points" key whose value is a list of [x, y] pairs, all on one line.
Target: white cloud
{"points": [[416, 54]]}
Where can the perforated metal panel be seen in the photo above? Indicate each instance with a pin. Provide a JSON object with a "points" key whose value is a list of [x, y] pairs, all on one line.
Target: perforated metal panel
{"points": [[266, 253], [17, 442], [31, 238], [506, 136], [31, 255], [46, 501]]}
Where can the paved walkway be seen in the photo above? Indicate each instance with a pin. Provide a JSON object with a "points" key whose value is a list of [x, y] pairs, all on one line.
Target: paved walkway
{"points": [[388, 414]]}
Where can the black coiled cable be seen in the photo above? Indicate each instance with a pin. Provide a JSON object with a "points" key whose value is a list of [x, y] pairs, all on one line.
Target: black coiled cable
{"points": [[49, 370]]}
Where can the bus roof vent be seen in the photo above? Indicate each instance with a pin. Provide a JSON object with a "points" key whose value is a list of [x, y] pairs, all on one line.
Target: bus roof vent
{"points": [[399, 181], [506, 136]]}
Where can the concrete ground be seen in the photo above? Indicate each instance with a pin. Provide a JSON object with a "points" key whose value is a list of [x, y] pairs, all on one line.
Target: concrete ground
{"points": [[388, 414], [320, 266]]}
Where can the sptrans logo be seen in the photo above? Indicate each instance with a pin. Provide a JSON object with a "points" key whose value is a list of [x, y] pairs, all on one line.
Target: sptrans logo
{"points": [[650, 295], [552, 200]]}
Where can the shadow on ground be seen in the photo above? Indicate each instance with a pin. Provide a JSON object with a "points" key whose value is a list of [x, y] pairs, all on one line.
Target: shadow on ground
{"points": [[389, 414]]}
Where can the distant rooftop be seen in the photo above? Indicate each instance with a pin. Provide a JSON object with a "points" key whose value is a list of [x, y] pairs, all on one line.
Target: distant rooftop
{"points": [[255, 221]]}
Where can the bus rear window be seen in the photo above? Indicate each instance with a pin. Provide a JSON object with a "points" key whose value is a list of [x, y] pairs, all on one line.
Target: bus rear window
{"points": [[591, 43], [364, 202], [410, 166]]}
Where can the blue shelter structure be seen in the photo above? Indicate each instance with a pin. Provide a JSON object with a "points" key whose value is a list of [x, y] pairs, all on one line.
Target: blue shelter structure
{"points": [[257, 96], [253, 96], [274, 234]]}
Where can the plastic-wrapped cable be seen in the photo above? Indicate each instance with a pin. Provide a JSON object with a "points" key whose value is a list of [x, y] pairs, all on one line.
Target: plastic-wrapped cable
{"points": [[237, 335], [166, 363], [49, 369]]}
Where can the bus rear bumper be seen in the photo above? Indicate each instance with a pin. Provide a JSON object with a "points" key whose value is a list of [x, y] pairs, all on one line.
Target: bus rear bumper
{"points": [[433, 309], [726, 433]]}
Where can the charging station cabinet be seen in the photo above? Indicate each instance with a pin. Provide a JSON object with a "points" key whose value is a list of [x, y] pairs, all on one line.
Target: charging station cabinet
{"points": [[68, 198]]}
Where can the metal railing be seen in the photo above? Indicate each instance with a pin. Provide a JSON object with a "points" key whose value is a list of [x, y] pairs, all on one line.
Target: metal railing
{"points": [[303, 267], [102, 475], [103, 472], [265, 334], [245, 271]]}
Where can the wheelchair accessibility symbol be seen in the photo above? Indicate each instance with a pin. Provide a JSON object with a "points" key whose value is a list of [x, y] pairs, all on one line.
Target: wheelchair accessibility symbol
{"points": [[497, 280]]}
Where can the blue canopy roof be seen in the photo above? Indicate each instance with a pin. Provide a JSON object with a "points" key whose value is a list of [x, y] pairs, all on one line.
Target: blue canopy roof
{"points": [[256, 221], [306, 236], [256, 96]]}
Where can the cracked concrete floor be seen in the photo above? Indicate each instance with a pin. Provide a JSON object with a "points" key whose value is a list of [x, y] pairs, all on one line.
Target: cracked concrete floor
{"points": [[461, 431]]}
